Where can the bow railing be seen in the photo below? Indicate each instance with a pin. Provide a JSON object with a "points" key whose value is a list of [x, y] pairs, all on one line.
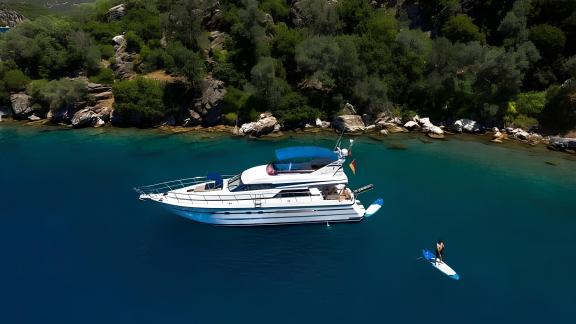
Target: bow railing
{"points": [[163, 187]]}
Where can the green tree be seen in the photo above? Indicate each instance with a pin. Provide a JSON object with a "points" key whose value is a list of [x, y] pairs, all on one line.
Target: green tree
{"points": [[548, 39], [320, 16], [460, 28], [57, 94], [354, 13], [559, 114], [15, 80]]}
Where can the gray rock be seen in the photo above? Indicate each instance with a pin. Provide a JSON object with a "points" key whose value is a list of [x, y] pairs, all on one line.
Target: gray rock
{"points": [[91, 116], [117, 12], [10, 18], [466, 125], [21, 105], [193, 119], [265, 125], [217, 40], [562, 143], [349, 109], [94, 88], [411, 124], [212, 17], [209, 106], [322, 124], [349, 123], [434, 130], [520, 134], [123, 61], [103, 95], [33, 118]]}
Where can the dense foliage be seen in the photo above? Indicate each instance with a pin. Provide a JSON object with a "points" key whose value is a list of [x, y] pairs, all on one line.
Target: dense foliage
{"points": [[504, 62]]}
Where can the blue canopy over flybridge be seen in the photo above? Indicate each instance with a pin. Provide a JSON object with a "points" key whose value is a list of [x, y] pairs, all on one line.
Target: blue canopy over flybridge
{"points": [[305, 152]]}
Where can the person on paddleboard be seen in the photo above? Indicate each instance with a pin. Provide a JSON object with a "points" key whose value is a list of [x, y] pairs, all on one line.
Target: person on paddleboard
{"points": [[440, 251]]}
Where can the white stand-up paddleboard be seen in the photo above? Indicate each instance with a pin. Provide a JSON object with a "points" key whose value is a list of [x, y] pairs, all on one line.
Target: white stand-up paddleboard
{"points": [[374, 208], [430, 257]]}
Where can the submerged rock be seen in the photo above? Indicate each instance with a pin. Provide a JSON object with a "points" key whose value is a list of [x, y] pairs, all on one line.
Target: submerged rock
{"points": [[349, 123]]}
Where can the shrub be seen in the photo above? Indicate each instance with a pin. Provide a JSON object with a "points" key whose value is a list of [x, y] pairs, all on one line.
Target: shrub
{"points": [[531, 103], [107, 51], [106, 76], [139, 100]]}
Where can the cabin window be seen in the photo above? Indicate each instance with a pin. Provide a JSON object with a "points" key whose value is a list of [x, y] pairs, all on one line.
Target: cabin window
{"points": [[292, 193], [251, 187]]}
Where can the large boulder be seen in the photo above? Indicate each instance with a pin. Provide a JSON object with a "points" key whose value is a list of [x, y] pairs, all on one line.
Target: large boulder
{"points": [[95, 88], [349, 123], [123, 61], [10, 18], [92, 116], [265, 125], [217, 39], [64, 114], [519, 134], [212, 17], [21, 105], [116, 12], [209, 106], [322, 124], [467, 125], [434, 130], [411, 124], [562, 144]]}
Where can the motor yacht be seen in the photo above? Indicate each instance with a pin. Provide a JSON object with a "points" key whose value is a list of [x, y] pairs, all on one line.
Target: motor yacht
{"points": [[304, 184]]}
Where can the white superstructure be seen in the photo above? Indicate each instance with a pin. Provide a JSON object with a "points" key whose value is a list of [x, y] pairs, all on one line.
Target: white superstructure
{"points": [[305, 185]]}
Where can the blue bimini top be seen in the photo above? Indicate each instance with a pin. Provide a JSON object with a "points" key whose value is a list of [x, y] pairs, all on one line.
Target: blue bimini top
{"points": [[305, 153]]}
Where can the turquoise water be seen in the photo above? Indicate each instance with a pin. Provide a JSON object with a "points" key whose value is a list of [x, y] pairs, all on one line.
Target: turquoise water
{"points": [[78, 247]]}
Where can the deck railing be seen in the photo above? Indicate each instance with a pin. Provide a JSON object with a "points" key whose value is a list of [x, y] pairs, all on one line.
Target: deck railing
{"points": [[164, 187]]}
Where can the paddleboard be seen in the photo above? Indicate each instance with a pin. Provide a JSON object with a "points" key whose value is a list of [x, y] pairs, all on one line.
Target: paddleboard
{"points": [[442, 266], [374, 208]]}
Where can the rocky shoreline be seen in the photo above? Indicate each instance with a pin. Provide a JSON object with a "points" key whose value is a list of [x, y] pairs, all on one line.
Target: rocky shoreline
{"points": [[98, 111], [383, 127]]}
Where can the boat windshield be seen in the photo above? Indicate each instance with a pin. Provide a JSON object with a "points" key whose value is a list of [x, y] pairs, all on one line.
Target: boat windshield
{"points": [[297, 166], [234, 182]]}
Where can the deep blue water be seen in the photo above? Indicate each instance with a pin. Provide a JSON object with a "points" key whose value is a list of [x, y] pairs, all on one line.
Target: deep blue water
{"points": [[77, 246]]}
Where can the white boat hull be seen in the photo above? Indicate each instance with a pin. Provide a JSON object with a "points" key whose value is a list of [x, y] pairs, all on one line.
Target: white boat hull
{"points": [[272, 216]]}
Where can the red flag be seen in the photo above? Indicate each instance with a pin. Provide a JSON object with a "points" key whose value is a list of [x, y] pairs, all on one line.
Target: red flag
{"points": [[353, 166]]}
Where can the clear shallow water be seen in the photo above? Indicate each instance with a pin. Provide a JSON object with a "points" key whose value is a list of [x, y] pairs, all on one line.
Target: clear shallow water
{"points": [[78, 247]]}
